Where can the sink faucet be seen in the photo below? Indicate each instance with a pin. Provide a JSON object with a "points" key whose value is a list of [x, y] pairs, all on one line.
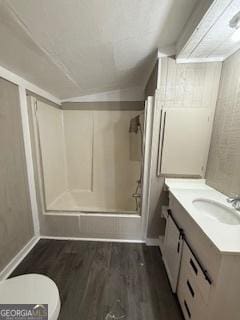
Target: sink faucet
{"points": [[235, 201]]}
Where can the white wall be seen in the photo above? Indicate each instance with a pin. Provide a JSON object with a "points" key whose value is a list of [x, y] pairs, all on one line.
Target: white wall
{"points": [[105, 173], [50, 124], [79, 131], [115, 174]]}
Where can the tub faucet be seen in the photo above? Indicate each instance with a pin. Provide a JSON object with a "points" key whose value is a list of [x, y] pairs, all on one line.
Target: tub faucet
{"points": [[235, 201]]}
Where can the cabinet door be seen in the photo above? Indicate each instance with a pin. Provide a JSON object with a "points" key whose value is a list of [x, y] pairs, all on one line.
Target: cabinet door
{"points": [[172, 250], [184, 141]]}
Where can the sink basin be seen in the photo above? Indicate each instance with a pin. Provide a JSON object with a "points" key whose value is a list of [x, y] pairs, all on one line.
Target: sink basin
{"points": [[217, 211]]}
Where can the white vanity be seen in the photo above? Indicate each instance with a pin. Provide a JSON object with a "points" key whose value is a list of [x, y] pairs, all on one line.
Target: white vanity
{"points": [[201, 250]]}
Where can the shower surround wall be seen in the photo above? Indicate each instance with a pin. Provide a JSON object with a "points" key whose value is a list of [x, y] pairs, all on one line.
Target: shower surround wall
{"points": [[86, 159], [50, 126], [224, 157]]}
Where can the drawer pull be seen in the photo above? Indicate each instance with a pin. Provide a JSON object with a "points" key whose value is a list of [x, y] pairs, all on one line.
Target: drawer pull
{"points": [[178, 247], [195, 269], [207, 277], [187, 309], [204, 271], [190, 289]]}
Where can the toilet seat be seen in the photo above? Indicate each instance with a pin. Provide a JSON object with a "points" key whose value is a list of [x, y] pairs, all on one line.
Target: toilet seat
{"points": [[31, 289]]}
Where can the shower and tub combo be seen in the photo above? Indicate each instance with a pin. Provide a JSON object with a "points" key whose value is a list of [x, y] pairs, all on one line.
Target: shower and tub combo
{"points": [[89, 161]]}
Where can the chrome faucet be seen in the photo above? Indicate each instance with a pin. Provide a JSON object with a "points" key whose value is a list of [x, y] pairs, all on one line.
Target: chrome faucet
{"points": [[235, 201]]}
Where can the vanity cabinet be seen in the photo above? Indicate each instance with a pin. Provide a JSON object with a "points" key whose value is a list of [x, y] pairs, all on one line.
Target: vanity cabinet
{"points": [[208, 285]]}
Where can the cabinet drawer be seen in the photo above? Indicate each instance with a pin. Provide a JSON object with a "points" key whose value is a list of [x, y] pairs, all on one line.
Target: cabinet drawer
{"points": [[190, 298], [194, 272]]}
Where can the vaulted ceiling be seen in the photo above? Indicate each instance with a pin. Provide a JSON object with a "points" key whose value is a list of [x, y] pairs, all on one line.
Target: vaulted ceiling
{"points": [[79, 47]]}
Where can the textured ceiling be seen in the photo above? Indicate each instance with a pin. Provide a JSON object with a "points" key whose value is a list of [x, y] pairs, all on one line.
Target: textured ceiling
{"points": [[80, 47], [212, 37]]}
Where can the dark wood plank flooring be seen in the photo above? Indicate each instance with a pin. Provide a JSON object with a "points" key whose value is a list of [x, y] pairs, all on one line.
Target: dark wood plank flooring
{"points": [[92, 276]]}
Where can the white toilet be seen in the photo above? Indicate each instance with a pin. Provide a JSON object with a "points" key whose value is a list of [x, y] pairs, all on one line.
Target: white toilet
{"points": [[31, 289]]}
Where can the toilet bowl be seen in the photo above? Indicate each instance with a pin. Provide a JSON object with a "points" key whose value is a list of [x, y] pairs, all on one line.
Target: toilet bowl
{"points": [[31, 289]]}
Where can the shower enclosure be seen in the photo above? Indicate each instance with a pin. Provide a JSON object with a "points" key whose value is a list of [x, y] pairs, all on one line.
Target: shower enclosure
{"points": [[89, 160]]}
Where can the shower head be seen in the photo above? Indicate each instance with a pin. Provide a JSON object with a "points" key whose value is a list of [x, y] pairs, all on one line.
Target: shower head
{"points": [[134, 124]]}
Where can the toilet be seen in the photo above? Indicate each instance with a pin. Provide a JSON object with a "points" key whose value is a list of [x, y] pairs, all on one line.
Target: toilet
{"points": [[31, 289]]}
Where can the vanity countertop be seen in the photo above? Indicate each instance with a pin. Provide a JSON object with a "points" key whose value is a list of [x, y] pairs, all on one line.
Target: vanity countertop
{"points": [[225, 237]]}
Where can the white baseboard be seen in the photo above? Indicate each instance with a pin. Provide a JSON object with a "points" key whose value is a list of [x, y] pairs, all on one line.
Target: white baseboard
{"points": [[160, 242], [5, 273], [152, 242], [92, 239]]}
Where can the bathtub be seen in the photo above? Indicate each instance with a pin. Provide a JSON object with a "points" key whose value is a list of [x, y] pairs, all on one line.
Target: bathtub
{"points": [[76, 201]]}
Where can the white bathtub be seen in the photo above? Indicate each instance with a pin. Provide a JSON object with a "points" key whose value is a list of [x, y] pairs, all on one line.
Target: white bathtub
{"points": [[76, 201]]}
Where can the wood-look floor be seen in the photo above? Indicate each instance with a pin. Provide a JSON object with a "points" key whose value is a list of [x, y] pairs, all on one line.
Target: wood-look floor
{"points": [[91, 276]]}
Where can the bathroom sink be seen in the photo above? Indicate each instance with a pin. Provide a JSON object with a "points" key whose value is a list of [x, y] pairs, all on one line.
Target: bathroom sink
{"points": [[217, 211]]}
